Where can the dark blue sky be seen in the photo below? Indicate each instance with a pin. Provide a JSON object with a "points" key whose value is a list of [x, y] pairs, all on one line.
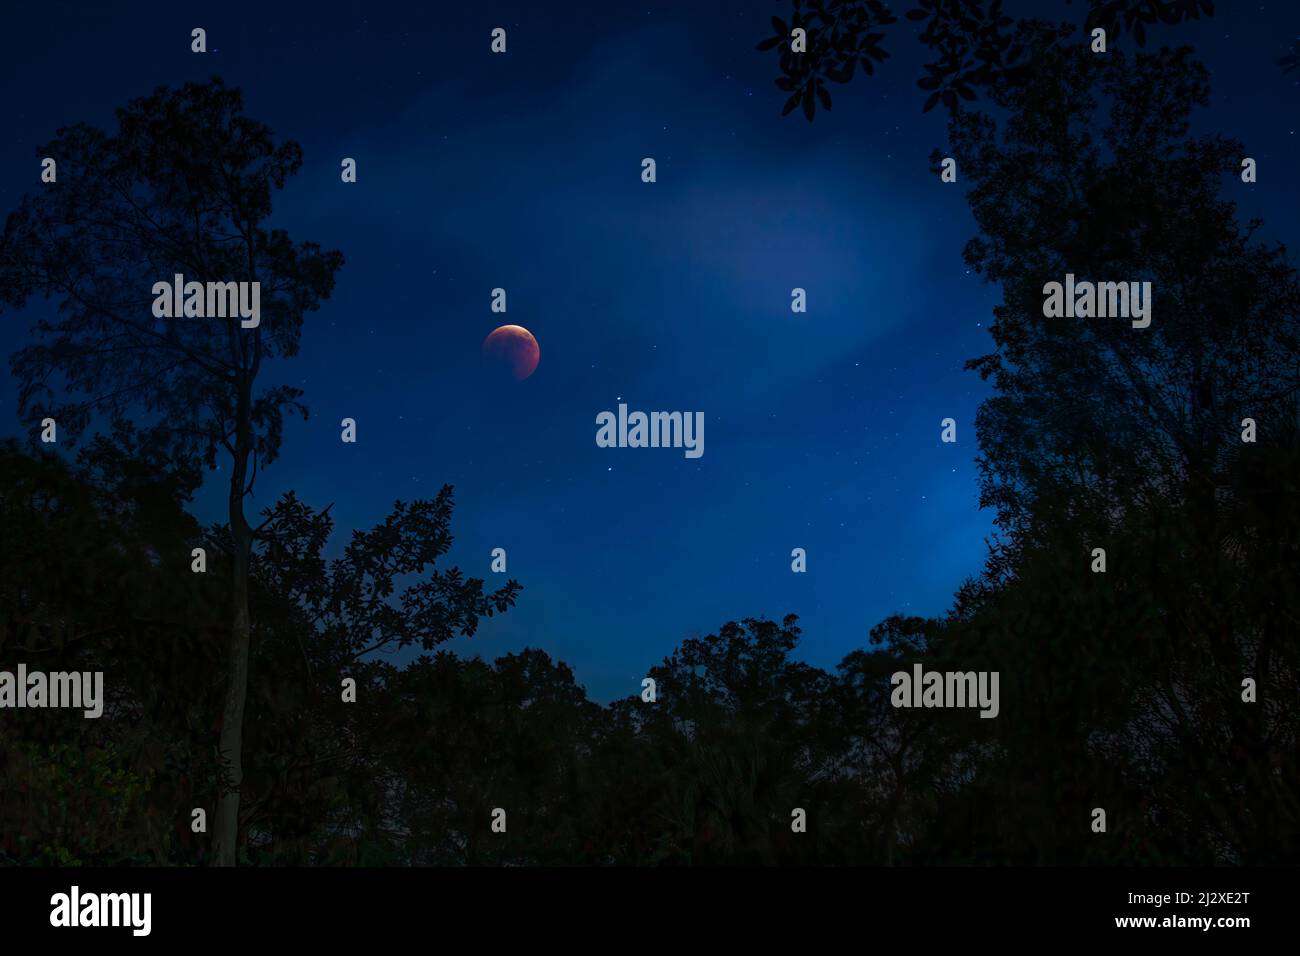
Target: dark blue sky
{"points": [[523, 171]]}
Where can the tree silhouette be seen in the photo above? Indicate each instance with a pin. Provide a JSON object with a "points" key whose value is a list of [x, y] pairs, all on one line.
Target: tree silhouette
{"points": [[973, 43], [1124, 688], [183, 186], [86, 583], [732, 730], [1100, 434], [322, 621]]}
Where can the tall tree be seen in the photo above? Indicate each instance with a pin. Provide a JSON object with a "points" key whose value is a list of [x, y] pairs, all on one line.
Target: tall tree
{"points": [[1101, 432], [183, 185]]}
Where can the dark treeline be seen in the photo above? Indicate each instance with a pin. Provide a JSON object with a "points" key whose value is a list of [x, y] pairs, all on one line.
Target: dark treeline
{"points": [[1124, 690]]}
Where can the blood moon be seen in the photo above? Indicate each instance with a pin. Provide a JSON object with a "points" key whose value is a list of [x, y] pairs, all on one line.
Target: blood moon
{"points": [[512, 347]]}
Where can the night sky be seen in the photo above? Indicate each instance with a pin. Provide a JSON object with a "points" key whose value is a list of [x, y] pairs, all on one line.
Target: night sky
{"points": [[522, 171]]}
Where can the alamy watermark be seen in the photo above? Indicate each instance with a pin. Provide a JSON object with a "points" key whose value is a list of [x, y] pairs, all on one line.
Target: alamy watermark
{"points": [[199, 300], [656, 430], [1101, 300], [75, 908], [923, 688], [36, 689]]}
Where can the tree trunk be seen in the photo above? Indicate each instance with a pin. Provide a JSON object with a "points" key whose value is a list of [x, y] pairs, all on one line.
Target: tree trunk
{"points": [[230, 748]]}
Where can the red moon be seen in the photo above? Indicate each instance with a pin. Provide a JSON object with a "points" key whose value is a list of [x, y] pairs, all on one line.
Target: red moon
{"points": [[514, 347]]}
